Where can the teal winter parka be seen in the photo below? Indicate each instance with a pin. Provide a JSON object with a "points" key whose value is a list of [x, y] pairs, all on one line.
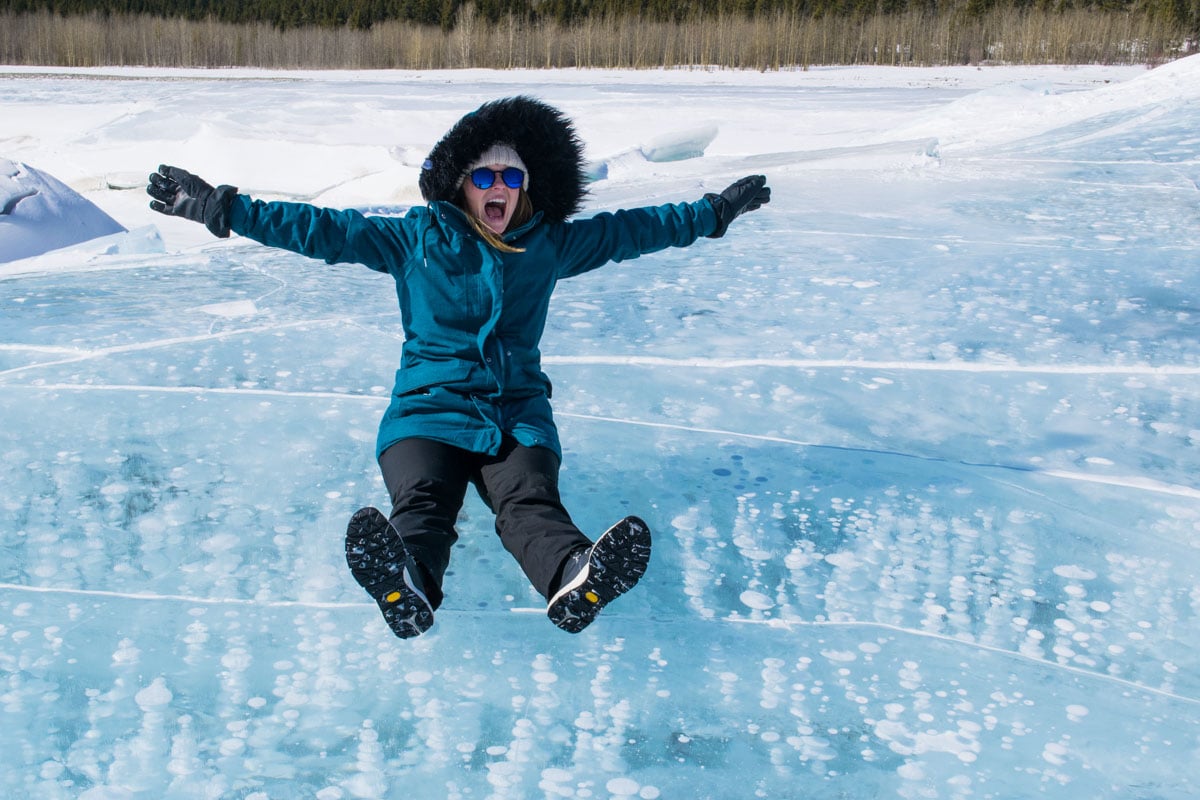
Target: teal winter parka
{"points": [[473, 316]]}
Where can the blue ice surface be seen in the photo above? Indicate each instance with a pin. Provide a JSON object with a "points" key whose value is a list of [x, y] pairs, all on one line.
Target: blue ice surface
{"points": [[920, 456]]}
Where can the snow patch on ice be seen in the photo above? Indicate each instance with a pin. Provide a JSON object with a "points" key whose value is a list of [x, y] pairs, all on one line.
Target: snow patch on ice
{"points": [[234, 308]]}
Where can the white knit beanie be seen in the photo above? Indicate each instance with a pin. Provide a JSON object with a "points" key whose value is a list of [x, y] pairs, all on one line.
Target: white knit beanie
{"points": [[498, 153]]}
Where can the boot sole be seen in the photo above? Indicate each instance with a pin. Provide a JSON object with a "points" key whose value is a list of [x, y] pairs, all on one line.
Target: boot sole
{"points": [[617, 561], [381, 565]]}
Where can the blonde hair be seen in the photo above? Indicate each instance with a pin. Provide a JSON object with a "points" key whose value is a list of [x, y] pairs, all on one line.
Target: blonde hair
{"points": [[521, 214]]}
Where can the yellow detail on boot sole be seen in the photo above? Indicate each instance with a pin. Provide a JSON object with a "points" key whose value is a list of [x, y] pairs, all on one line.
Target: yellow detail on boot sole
{"points": [[592, 597], [392, 597]]}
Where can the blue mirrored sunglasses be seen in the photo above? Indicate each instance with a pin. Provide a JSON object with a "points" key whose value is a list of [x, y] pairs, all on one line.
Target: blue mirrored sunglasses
{"points": [[483, 178]]}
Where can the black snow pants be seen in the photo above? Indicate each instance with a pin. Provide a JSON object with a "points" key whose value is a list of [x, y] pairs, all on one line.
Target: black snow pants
{"points": [[427, 482]]}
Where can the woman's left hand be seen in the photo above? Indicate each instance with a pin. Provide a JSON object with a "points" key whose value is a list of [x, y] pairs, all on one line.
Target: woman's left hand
{"points": [[747, 194]]}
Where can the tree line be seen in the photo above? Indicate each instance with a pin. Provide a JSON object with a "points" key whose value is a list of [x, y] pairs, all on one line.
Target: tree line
{"points": [[620, 34], [1183, 15]]}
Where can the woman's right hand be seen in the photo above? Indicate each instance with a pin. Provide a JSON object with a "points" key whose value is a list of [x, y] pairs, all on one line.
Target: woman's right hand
{"points": [[179, 193]]}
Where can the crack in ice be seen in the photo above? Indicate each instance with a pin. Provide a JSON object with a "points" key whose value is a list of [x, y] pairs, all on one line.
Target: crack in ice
{"points": [[1134, 482], [786, 624]]}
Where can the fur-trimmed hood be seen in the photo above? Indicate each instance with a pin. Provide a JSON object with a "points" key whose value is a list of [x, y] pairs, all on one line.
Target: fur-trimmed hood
{"points": [[543, 137]]}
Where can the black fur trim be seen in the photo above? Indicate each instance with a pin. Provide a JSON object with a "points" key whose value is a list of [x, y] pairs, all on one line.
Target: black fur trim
{"points": [[541, 134]]}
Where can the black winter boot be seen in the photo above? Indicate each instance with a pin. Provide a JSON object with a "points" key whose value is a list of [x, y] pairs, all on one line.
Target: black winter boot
{"points": [[382, 565], [594, 577]]}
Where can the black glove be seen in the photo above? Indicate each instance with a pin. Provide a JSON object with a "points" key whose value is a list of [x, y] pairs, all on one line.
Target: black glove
{"points": [[179, 193], [745, 195]]}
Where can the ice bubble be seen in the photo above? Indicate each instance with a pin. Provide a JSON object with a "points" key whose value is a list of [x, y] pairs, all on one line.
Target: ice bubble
{"points": [[623, 787], [237, 660], [1054, 752], [156, 695], [232, 747], [366, 785], [1074, 572], [220, 543], [418, 677], [843, 560], [797, 559], [126, 653], [945, 742], [756, 600], [106, 793], [1076, 712], [685, 522]]}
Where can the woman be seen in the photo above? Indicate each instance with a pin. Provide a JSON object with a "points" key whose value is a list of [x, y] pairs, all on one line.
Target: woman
{"points": [[474, 270]]}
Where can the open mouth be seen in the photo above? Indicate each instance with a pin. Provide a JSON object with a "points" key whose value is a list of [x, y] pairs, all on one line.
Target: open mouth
{"points": [[494, 209]]}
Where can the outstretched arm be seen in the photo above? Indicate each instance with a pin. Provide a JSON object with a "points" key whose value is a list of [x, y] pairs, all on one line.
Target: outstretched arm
{"points": [[329, 234], [622, 235]]}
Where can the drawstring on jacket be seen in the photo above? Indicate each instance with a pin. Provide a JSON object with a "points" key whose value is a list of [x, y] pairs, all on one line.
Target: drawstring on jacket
{"points": [[425, 236]]}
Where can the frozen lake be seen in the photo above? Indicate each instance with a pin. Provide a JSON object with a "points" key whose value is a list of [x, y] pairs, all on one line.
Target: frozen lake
{"points": [[918, 442]]}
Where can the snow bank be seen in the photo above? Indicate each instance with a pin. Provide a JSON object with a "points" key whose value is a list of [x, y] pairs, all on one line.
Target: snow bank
{"points": [[1026, 108], [39, 213]]}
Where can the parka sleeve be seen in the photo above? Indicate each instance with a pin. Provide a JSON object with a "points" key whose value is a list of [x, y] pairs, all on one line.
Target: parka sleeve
{"points": [[335, 236], [629, 233]]}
